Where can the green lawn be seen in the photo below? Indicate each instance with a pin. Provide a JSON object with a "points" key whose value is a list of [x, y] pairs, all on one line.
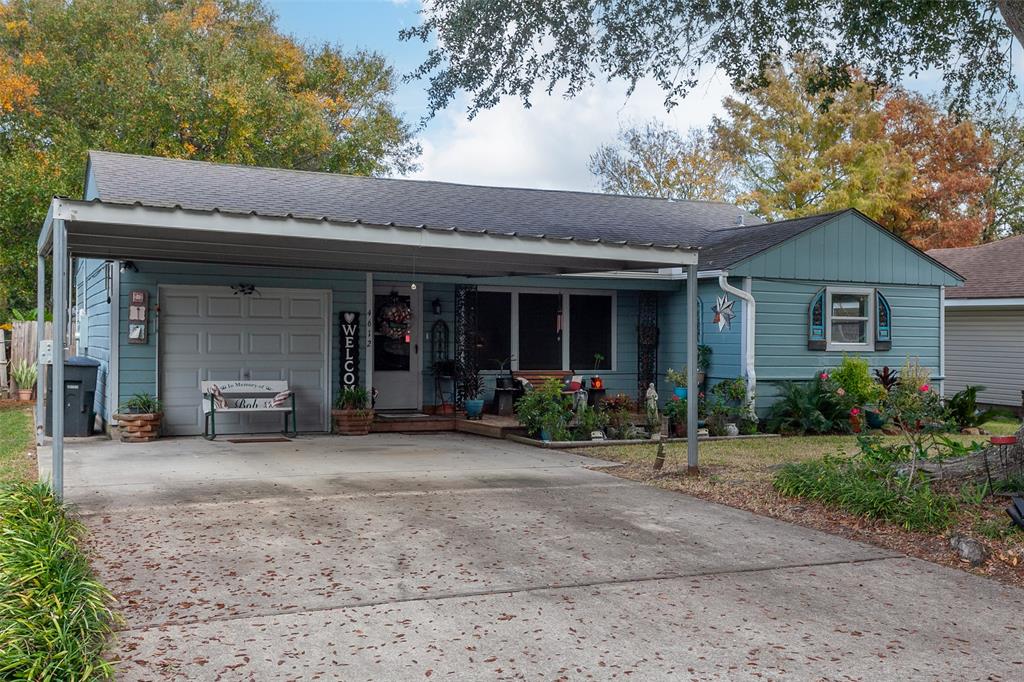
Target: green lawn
{"points": [[757, 458], [15, 440]]}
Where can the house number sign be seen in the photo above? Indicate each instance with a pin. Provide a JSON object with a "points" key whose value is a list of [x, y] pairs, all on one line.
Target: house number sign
{"points": [[138, 316], [350, 341]]}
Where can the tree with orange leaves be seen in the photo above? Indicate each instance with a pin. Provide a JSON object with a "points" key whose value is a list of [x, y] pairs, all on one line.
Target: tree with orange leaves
{"points": [[952, 164], [203, 79]]}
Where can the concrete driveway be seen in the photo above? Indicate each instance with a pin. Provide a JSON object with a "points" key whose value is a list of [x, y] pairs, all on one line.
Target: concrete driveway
{"points": [[455, 557]]}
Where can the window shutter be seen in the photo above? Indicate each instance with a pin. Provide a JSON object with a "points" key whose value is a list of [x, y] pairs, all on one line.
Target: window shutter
{"points": [[816, 322], [883, 322]]}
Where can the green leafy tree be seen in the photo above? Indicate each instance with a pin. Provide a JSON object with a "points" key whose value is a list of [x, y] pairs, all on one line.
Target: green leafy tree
{"points": [[1005, 196], [498, 48], [201, 79], [782, 153], [656, 161], [794, 155]]}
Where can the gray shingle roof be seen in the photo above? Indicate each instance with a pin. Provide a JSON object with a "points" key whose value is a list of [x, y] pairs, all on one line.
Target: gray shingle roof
{"points": [[991, 270], [725, 247], [153, 181]]}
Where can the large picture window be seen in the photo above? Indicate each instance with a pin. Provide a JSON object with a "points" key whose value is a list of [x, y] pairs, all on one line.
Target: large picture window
{"points": [[546, 329], [540, 331], [494, 329], [590, 342]]}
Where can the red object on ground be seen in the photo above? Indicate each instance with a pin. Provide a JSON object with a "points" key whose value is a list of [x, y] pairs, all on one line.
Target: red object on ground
{"points": [[1003, 440]]}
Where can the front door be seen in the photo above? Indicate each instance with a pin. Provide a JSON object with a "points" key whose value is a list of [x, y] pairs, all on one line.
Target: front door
{"points": [[397, 326]]}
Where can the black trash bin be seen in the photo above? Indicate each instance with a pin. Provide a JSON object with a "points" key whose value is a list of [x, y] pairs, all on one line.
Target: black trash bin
{"points": [[79, 396]]}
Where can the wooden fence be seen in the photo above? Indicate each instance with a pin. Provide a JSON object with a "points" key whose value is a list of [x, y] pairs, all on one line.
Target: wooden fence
{"points": [[24, 345]]}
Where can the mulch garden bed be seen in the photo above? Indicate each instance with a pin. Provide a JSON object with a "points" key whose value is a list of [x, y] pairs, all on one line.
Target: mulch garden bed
{"points": [[1006, 555]]}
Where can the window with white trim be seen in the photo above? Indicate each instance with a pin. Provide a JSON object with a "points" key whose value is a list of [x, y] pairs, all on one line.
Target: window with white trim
{"points": [[548, 329], [849, 323]]}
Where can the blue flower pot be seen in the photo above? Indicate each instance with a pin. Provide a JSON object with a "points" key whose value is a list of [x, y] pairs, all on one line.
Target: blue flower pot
{"points": [[680, 392], [545, 435], [875, 419], [474, 408]]}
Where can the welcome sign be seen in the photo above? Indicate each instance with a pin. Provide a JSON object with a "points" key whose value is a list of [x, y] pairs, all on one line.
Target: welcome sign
{"points": [[349, 349]]}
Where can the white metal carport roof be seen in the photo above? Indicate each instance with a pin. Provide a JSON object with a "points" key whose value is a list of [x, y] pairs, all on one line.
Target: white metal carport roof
{"points": [[116, 231]]}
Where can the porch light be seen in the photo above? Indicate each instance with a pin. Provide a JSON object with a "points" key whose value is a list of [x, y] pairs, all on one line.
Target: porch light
{"points": [[436, 305]]}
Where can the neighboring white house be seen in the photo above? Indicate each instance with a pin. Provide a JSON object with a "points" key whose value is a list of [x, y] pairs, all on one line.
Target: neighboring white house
{"points": [[985, 320]]}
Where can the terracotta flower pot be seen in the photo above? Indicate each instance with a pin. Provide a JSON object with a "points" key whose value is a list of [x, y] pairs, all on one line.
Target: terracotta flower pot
{"points": [[679, 429], [139, 427], [24, 394], [352, 422]]}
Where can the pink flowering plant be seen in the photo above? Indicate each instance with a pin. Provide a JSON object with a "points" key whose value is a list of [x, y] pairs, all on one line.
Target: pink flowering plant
{"points": [[919, 415]]}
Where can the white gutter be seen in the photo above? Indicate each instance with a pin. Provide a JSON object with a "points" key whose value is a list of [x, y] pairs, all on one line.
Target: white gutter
{"points": [[749, 315], [984, 302]]}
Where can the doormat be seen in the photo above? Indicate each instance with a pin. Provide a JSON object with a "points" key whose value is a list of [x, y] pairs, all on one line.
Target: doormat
{"points": [[401, 416], [269, 439]]}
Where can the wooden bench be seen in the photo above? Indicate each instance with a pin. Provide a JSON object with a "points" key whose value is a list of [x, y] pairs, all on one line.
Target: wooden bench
{"points": [[246, 397], [538, 377]]}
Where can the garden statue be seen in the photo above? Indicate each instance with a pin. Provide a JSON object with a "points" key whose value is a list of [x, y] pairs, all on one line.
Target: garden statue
{"points": [[651, 403]]}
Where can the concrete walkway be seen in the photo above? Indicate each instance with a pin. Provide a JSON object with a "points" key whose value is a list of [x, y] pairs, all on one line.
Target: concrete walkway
{"points": [[455, 557]]}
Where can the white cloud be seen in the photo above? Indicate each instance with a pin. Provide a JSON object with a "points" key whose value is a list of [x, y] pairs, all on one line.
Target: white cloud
{"points": [[547, 146]]}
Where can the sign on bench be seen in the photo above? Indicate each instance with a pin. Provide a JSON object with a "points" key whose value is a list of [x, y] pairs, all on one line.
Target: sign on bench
{"points": [[246, 396]]}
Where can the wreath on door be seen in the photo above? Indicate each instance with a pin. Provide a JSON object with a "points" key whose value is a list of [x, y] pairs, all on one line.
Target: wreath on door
{"points": [[394, 317]]}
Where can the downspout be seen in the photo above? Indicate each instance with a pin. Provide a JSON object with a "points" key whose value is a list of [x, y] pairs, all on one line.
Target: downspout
{"points": [[749, 315]]}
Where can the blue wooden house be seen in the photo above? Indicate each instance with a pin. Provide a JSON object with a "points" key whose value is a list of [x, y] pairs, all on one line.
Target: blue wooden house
{"points": [[777, 301]]}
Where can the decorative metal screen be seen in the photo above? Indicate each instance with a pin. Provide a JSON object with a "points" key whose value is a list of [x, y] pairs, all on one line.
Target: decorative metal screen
{"points": [[465, 337], [647, 341]]}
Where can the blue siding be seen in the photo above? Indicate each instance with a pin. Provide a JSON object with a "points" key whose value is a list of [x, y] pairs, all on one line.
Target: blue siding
{"points": [[726, 360], [781, 344], [848, 248], [91, 296], [138, 370]]}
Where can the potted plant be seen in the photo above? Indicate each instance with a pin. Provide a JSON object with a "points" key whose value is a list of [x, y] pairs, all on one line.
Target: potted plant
{"points": [[24, 375], [596, 382], [703, 363], [139, 419], [675, 410], [472, 390], [545, 412], [678, 381], [352, 414]]}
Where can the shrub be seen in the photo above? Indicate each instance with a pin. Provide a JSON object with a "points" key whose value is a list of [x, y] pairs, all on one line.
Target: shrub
{"points": [[809, 407], [868, 487], [54, 615], [853, 376], [675, 410], [963, 411], [588, 420], [731, 390], [545, 409]]}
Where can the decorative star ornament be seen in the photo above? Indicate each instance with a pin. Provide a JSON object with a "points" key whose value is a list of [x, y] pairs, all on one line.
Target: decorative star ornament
{"points": [[723, 313]]}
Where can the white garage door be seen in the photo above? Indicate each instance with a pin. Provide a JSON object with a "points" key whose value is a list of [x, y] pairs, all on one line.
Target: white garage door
{"points": [[210, 333]]}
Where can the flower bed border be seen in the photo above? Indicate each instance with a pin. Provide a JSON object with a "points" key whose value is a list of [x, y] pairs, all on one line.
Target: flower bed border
{"points": [[571, 444]]}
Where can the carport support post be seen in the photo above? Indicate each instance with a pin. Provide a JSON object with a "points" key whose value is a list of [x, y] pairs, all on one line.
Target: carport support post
{"points": [[691, 369], [60, 260], [40, 332]]}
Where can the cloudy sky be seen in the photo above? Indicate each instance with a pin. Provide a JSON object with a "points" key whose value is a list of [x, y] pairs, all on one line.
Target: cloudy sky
{"points": [[546, 146]]}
